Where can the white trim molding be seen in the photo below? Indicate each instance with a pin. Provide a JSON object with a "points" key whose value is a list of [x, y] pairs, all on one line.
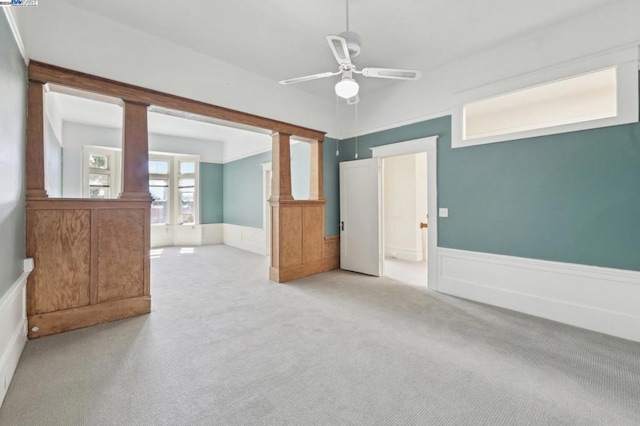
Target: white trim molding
{"points": [[13, 332], [211, 233], [624, 58], [599, 299], [245, 238], [430, 146], [16, 33]]}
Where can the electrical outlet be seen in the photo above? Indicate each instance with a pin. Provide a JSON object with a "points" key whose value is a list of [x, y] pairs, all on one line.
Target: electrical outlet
{"points": [[443, 212]]}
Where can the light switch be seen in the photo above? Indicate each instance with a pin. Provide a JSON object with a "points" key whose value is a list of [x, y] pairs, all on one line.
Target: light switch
{"points": [[443, 212]]}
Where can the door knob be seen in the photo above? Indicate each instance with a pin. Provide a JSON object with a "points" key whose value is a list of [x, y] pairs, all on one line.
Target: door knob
{"points": [[423, 225]]}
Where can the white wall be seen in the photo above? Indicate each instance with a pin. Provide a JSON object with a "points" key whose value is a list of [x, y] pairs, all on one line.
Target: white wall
{"points": [[52, 161], [405, 205], [209, 151], [157, 64], [435, 94], [75, 136]]}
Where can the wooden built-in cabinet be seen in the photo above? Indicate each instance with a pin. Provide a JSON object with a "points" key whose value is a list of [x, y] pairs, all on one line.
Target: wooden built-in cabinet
{"points": [[92, 263]]}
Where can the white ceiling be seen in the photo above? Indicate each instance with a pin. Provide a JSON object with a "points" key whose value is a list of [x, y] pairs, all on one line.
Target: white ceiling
{"points": [[232, 53], [281, 39]]}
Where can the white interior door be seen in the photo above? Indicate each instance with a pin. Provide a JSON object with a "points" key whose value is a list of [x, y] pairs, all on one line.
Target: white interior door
{"points": [[360, 221]]}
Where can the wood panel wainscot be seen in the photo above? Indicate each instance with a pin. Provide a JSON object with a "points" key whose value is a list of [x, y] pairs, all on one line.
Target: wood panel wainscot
{"points": [[299, 247], [91, 263]]}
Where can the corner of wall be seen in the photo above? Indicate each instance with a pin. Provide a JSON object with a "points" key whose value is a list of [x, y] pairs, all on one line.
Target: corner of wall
{"points": [[16, 33], [13, 333]]}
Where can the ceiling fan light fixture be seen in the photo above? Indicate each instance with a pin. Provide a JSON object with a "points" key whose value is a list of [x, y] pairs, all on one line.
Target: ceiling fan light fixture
{"points": [[347, 87]]}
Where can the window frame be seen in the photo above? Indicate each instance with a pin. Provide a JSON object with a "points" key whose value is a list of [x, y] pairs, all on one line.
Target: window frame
{"points": [[163, 176], [625, 60], [113, 171], [174, 176], [178, 198]]}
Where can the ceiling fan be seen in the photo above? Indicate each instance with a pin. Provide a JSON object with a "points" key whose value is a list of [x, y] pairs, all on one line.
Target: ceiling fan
{"points": [[345, 46]]}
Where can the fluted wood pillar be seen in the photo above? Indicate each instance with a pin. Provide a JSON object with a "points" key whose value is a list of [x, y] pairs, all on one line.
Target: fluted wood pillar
{"points": [[35, 141], [135, 152]]}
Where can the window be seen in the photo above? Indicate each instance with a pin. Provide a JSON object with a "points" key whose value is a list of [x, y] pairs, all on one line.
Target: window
{"points": [[101, 172], [186, 192], [569, 98], [159, 187], [173, 186]]}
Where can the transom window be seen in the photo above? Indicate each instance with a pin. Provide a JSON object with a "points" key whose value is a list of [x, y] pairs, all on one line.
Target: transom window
{"points": [[593, 92]]}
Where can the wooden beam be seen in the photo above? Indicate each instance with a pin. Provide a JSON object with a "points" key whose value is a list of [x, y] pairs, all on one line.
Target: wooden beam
{"points": [[35, 141], [135, 152], [53, 74]]}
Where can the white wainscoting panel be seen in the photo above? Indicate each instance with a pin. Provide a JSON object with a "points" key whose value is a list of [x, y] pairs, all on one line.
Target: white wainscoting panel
{"points": [[211, 234], [13, 328], [187, 235], [246, 238], [161, 236], [403, 254], [599, 299]]}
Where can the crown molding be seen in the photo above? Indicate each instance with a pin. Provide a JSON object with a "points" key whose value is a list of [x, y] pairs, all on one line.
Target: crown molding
{"points": [[16, 32]]}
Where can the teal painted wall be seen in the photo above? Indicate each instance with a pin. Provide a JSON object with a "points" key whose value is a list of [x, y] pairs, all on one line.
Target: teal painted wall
{"points": [[242, 185], [570, 197], [211, 183], [331, 187], [242, 191], [13, 119]]}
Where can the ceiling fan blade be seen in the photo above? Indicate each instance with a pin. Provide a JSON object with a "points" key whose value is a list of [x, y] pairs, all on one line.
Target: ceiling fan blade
{"points": [[339, 48], [391, 73], [309, 77]]}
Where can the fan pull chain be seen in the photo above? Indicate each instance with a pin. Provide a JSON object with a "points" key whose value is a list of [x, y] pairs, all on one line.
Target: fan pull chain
{"points": [[356, 131]]}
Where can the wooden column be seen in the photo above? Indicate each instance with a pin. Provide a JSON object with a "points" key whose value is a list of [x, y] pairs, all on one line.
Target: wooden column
{"points": [[35, 141], [298, 246], [135, 152], [281, 167], [316, 191]]}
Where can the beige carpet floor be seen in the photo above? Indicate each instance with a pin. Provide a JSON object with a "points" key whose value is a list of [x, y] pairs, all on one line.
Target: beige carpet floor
{"points": [[224, 346]]}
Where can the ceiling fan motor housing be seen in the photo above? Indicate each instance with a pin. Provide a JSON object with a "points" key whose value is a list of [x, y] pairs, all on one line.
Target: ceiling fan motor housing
{"points": [[353, 42]]}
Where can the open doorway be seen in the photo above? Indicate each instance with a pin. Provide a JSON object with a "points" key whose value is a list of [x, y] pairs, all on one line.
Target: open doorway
{"points": [[404, 218], [426, 146]]}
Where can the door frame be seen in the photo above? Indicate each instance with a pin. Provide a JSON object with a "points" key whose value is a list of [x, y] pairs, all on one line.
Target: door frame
{"points": [[415, 146]]}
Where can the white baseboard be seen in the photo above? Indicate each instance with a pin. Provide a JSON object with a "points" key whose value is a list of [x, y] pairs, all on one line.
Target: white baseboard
{"points": [[403, 254], [13, 332], [246, 238], [599, 299], [212, 233]]}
